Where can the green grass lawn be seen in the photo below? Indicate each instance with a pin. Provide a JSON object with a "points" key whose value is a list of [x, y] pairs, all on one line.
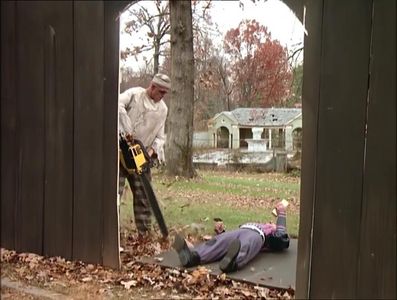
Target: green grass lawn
{"points": [[234, 197]]}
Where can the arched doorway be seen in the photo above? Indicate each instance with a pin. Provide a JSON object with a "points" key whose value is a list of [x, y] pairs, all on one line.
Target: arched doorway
{"points": [[297, 139], [223, 137]]}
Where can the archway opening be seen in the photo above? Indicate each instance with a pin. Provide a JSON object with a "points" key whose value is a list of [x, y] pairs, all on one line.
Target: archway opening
{"points": [[221, 137]]}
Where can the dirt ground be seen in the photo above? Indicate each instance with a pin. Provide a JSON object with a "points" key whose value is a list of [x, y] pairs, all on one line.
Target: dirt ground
{"points": [[14, 294], [76, 280]]}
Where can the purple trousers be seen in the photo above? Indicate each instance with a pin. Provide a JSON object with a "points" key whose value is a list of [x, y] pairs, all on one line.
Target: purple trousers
{"points": [[216, 248]]}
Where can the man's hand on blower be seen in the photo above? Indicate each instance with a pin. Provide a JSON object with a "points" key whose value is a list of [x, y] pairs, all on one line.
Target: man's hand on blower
{"points": [[129, 137]]}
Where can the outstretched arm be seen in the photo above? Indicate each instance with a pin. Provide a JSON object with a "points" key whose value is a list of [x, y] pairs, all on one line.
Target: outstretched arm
{"points": [[279, 240], [281, 222]]}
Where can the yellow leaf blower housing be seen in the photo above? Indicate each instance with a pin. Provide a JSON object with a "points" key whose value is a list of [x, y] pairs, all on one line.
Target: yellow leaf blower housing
{"points": [[133, 157]]}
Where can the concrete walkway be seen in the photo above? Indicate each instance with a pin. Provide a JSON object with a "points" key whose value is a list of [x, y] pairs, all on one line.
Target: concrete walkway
{"points": [[31, 290]]}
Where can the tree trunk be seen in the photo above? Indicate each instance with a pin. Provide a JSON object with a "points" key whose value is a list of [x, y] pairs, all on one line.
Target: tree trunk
{"points": [[178, 148], [156, 56]]}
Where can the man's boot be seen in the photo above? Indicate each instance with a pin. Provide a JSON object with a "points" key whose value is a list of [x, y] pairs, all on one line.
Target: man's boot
{"points": [[187, 257], [228, 262]]}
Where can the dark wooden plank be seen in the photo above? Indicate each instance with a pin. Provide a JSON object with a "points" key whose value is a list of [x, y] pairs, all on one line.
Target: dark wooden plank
{"points": [[30, 97], [377, 275], [346, 37], [9, 126], [58, 83], [88, 130], [111, 233], [311, 92]]}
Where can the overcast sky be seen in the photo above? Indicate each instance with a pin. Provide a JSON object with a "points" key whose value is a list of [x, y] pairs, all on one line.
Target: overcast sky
{"points": [[274, 14]]}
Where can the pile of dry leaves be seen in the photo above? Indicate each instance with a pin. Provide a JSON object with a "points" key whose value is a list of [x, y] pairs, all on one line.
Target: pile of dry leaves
{"points": [[57, 274]]}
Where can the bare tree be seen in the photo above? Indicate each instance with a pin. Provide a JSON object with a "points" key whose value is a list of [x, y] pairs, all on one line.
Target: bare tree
{"points": [[158, 26], [178, 148], [224, 76]]}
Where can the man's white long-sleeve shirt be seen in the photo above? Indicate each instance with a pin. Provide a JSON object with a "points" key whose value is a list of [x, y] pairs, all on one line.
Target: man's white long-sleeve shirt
{"points": [[140, 116]]}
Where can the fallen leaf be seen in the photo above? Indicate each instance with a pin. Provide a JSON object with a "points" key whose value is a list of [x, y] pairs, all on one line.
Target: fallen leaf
{"points": [[86, 279], [248, 293], [222, 277], [42, 274], [174, 272], [129, 284], [207, 237]]}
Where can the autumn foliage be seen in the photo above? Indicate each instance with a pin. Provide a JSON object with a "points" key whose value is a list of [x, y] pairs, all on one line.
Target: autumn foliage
{"points": [[244, 68], [260, 70]]}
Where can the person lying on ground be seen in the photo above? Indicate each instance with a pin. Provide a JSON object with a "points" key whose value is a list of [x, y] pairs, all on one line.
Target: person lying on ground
{"points": [[234, 249]]}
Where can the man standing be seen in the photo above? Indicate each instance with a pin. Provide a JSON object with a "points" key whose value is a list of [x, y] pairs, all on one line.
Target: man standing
{"points": [[142, 115]]}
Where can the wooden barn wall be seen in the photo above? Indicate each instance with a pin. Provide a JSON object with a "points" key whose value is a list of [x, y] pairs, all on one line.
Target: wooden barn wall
{"points": [[88, 164], [59, 76], [347, 238], [310, 107], [377, 256], [9, 147]]}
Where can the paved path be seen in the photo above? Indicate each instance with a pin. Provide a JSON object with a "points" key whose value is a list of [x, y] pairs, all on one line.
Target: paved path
{"points": [[34, 291]]}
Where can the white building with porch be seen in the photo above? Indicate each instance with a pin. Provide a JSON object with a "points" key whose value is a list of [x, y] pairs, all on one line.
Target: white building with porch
{"points": [[257, 129]]}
